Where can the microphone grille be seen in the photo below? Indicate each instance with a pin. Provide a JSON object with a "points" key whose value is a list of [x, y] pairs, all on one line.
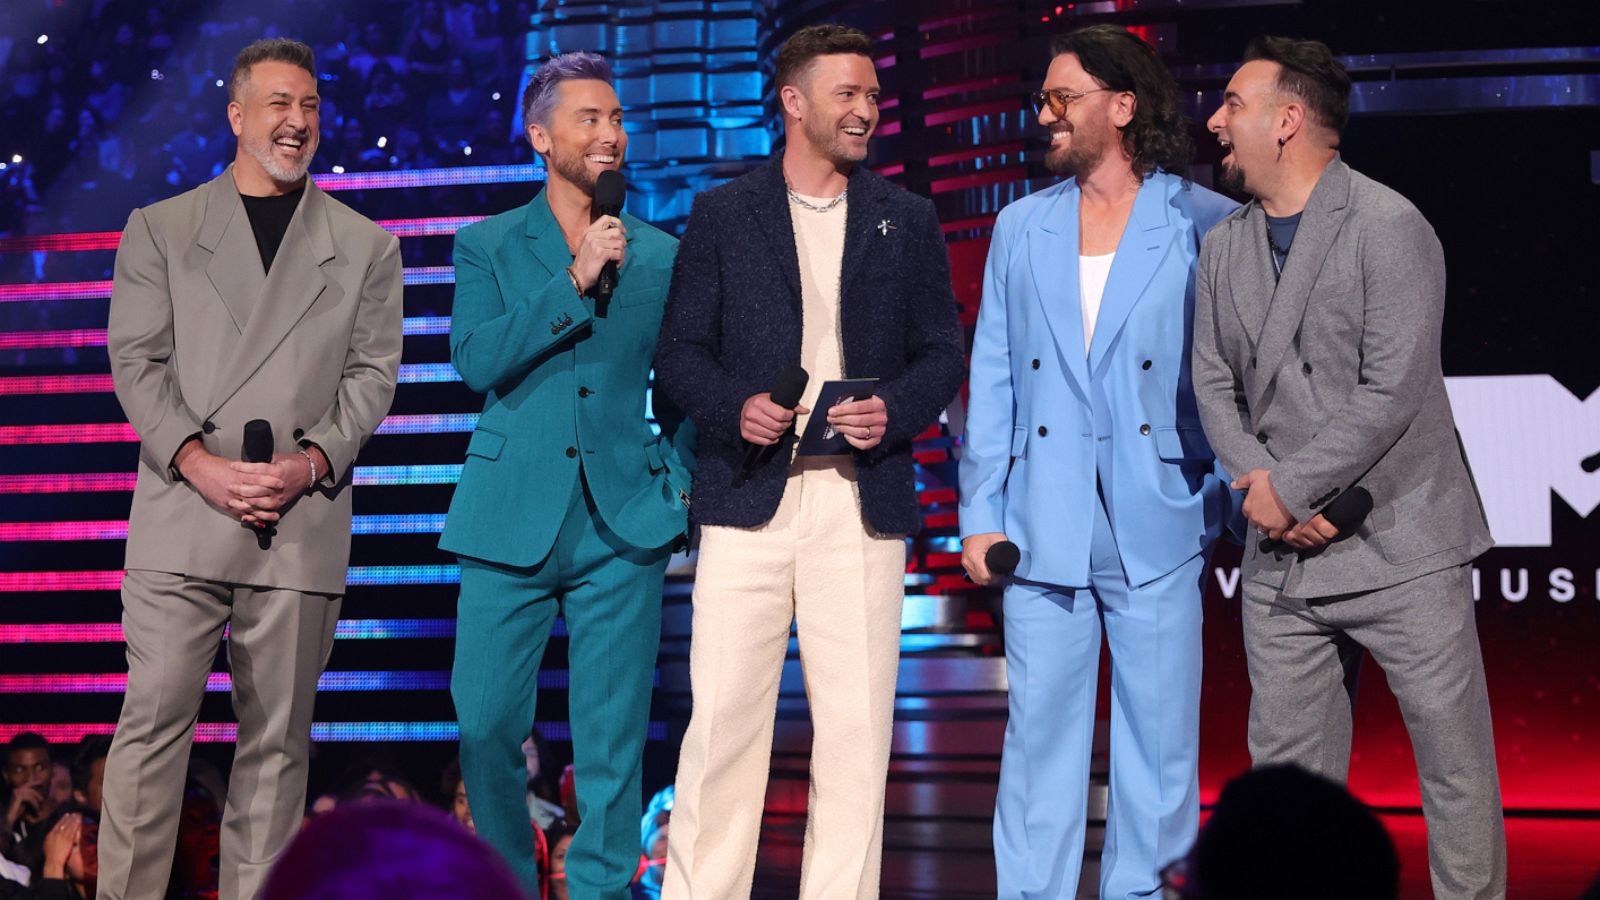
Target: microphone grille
{"points": [[610, 191], [790, 385]]}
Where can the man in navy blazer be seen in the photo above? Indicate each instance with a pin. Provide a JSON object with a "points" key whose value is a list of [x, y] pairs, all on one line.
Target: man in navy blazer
{"points": [[811, 260], [1084, 448]]}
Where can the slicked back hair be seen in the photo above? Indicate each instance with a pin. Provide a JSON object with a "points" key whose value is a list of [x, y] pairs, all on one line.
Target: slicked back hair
{"points": [[539, 98], [802, 49], [268, 50], [1308, 72], [1157, 137]]}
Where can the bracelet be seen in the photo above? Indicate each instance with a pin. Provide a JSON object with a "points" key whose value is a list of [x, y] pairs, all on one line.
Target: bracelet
{"points": [[312, 462], [576, 285]]}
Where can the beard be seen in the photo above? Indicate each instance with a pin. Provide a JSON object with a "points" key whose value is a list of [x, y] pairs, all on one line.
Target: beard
{"points": [[829, 141], [261, 152], [573, 168], [1081, 155], [1233, 177]]}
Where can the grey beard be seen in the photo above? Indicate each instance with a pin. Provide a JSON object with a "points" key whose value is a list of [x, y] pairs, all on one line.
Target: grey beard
{"points": [[263, 155]]}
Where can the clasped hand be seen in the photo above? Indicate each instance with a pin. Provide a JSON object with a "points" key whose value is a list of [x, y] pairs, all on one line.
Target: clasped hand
{"points": [[1267, 514], [256, 494]]}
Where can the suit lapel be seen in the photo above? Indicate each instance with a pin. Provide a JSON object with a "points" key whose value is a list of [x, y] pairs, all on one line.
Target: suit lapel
{"points": [[1249, 272], [1145, 240], [770, 206], [295, 282], [865, 211], [1053, 258], [546, 242], [235, 266], [1324, 217]]}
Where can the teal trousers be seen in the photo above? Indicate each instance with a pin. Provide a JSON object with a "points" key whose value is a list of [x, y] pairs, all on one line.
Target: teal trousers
{"points": [[610, 593]]}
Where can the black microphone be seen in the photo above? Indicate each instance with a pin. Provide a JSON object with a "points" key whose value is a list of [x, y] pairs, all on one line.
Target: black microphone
{"points": [[786, 393], [1344, 513], [258, 449], [610, 190], [1002, 559]]}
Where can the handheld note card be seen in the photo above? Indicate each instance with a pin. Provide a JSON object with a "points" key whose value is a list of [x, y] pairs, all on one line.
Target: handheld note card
{"points": [[820, 439]]}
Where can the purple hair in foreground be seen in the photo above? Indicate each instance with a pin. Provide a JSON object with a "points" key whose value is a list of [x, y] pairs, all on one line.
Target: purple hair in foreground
{"points": [[389, 850]]}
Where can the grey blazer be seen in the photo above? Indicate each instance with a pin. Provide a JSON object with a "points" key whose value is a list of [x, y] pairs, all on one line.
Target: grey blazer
{"points": [[1330, 378], [202, 340]]}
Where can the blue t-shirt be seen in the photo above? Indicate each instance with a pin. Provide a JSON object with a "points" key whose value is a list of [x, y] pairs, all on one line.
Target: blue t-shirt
{"points": [[1280, 233]]}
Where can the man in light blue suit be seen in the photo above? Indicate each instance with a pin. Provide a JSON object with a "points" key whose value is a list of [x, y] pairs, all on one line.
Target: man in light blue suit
{"points": [[1084, 448]]}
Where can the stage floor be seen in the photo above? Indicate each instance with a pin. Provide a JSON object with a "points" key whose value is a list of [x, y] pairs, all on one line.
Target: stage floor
{"points": [[949, 857]]}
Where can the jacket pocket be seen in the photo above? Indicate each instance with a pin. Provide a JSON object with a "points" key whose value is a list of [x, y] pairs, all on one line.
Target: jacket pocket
{"points": [[652, 457], [1182, 443], [486, 444], [1019, 442]]}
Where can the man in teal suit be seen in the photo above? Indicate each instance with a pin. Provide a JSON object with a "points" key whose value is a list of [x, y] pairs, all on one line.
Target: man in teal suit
{"points": [[568, 502]]}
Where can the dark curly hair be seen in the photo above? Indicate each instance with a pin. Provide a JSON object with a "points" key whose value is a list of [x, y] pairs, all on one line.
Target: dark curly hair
{"points": [[1308, 71], [1158, 137]]}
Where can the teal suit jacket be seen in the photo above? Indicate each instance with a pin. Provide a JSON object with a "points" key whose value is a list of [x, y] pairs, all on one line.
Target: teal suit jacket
{"points": [[565, 388]]}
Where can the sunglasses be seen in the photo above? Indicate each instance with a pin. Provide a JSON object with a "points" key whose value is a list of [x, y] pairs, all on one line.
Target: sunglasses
{"points": [[1058, 99]]}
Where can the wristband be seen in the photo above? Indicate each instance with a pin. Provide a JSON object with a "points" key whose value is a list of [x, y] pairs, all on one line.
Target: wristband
{"points": [[576, 285], [312, 462]]}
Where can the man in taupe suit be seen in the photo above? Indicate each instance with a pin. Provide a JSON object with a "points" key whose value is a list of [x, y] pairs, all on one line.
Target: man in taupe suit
{"points": [[1316, 365], [255, 296]]}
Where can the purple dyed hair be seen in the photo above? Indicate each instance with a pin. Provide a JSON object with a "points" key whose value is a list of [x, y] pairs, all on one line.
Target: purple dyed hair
{"points": [[541, 94], [389, 850]]}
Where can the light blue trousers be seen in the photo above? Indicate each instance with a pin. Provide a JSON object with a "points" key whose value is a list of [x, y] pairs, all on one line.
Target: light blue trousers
{"points": [[1052, 636]]}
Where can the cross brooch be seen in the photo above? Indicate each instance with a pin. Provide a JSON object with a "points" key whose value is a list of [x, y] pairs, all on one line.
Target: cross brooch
{"points": [[884, 226]]}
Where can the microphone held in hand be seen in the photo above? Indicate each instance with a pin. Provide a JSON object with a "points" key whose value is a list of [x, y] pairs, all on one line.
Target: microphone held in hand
{"points": [[610, 190], [1002, 559], [786, 393], [258, 449], [1344, 513]]}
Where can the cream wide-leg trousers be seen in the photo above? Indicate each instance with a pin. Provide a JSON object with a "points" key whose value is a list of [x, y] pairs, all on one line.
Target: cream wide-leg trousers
{"points": [[815, 563]]}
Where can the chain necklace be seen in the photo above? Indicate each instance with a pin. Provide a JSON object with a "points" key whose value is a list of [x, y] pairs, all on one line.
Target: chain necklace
{"points": [[814, 207]]}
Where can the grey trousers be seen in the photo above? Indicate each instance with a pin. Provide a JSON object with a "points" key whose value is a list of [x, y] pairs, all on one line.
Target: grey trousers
{"points": [[1303, 657], [278, 642]]}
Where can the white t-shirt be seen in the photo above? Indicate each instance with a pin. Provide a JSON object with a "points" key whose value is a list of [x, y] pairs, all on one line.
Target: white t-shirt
{"points": [[1092, 274], [819, 243]]}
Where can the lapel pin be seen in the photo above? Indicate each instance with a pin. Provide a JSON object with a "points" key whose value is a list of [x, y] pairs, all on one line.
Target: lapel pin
{"points": [[884, 226]]}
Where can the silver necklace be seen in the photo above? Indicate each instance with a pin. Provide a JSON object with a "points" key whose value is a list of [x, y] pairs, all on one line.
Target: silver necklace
{"points": [[814, 207]]}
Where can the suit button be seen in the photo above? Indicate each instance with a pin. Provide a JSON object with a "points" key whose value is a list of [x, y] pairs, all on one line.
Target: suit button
{"points": [[584, 392], [1036, 364], [1333, 493], [1145, 428], [1043, 431], [207, 426], [555, 329], [1261, 438], [1306, 368], [1145, 365], [572, 452], [299, 433]]}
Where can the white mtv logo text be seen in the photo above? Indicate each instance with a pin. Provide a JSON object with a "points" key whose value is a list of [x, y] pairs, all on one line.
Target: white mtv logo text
{"points": [[1527, 436], [1511, 584]]}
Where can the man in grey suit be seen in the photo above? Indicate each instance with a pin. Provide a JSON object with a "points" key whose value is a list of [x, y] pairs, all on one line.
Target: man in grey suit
{"points": [[1316, 365], [255, 296]]}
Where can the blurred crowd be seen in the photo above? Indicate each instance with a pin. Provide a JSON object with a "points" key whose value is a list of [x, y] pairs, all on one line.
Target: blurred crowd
{"points": [[51, 797], [105, 105]]}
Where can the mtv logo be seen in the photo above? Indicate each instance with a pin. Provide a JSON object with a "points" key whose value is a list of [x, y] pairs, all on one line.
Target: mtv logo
{"points": [[1527, 436]]}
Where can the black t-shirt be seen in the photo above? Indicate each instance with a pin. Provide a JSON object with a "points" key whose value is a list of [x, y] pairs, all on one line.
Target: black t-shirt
{"points": [[269, 219], [1280, 230]]}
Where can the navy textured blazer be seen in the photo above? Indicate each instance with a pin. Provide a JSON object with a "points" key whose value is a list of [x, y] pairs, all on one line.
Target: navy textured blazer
{"points": [[733, 323]]}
